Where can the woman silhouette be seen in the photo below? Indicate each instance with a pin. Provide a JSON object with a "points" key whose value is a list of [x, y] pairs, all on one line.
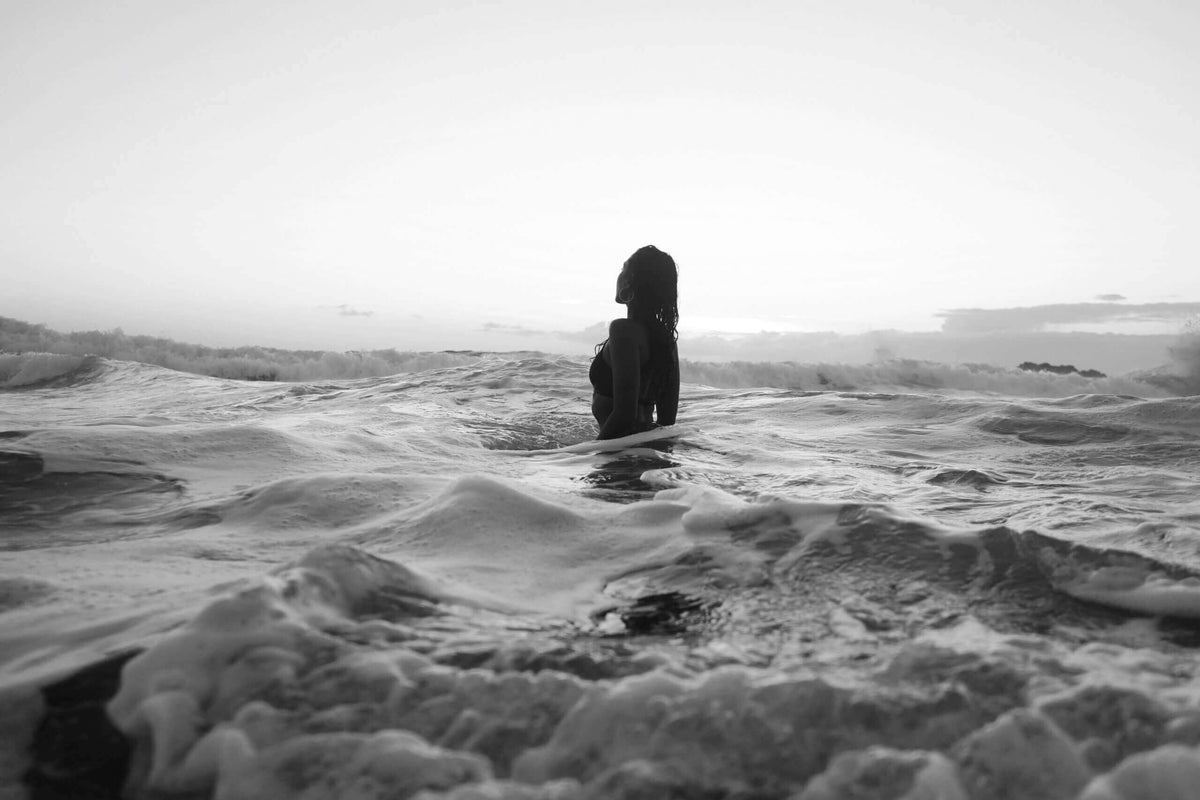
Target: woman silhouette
{"points": [[635, 374]]}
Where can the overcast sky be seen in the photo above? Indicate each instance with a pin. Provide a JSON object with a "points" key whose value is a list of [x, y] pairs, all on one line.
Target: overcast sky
{"points": [[348, 174]]}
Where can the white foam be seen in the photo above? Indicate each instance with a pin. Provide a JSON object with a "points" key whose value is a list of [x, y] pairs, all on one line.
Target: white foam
{"points": [[931, 776], [529, 551], [256, 640], [1137, 589]]}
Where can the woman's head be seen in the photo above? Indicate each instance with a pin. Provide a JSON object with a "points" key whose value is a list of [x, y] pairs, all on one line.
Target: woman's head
{"points": [[649, 285]]}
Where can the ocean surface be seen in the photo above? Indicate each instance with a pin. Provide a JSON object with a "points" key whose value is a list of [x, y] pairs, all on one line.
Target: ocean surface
{"points": [[900, 580]]}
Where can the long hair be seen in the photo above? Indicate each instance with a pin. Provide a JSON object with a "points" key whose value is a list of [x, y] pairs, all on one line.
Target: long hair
{"points": [[654, 279]]}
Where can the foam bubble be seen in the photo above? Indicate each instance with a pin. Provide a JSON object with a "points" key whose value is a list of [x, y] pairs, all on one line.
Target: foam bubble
{"points": [[339, 766], [881, 773], [1026, 753], [1168, 773]]}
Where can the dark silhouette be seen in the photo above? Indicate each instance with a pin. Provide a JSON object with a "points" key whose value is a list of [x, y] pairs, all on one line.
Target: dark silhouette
{"points": [[635, 374], [1065, 369]]}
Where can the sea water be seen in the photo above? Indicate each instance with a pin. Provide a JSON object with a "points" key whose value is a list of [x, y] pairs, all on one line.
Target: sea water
{"points": [[900, 580]]}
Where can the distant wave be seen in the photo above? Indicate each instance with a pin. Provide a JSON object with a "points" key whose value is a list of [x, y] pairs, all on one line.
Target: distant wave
{"points": [[27, 370], [18, 370], [1182, 376], [33, 354], [906, 374], [44, 353], [1186, 354]]}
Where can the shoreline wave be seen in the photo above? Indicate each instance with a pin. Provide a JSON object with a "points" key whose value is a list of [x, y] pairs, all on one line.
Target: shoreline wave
{"points": [[34, 370], [21, 343]]}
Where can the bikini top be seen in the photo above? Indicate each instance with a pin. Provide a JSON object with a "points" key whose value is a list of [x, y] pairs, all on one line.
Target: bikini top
{"points": [[600, 374]]}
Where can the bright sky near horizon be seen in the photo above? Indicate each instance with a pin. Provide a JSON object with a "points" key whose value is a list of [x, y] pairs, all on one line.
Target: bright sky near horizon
{"points": [[304, 173]]}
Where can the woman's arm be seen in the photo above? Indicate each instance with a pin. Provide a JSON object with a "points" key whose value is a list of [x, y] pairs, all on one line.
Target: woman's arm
{"points": [[667, 404], [625, 358]]}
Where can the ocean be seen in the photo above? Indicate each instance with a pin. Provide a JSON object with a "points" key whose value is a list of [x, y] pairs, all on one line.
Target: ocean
{"points": [[896, 580]]}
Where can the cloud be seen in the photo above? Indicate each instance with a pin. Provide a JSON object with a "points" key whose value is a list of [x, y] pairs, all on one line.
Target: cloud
{"points": [[1111, 298], [974, 336], [346, 311], [1113, 353], [1039, 318], [515, 330], [592, 334]]}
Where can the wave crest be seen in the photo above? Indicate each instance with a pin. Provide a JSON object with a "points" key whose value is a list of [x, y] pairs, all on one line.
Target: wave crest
{"points": [[18, 370], [1186, 355]]}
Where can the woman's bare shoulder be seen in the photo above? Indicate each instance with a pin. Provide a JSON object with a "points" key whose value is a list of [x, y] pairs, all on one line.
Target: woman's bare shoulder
{"points": [[625, 328]]}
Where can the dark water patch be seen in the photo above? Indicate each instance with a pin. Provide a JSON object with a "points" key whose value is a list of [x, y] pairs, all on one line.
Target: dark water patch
{"points": [[311, 389], [974, 478], [42, 501], [216, 554], [619, 479], [13, 434], [542, 431], [78, 754], [579, 656], [18, 467], [189, 519], [1183, 632], [1054, 431], [398, 603], [20, 592], [664, 614]]}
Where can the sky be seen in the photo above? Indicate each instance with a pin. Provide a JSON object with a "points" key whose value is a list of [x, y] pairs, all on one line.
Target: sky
{"points": [[426, 175]]}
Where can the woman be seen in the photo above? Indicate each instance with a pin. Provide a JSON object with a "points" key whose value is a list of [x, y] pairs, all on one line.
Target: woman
{"points": [[636, 370]]}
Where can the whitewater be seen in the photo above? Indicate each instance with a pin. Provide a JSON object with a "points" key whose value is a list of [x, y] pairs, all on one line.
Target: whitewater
{"points": [[898, 580]]}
